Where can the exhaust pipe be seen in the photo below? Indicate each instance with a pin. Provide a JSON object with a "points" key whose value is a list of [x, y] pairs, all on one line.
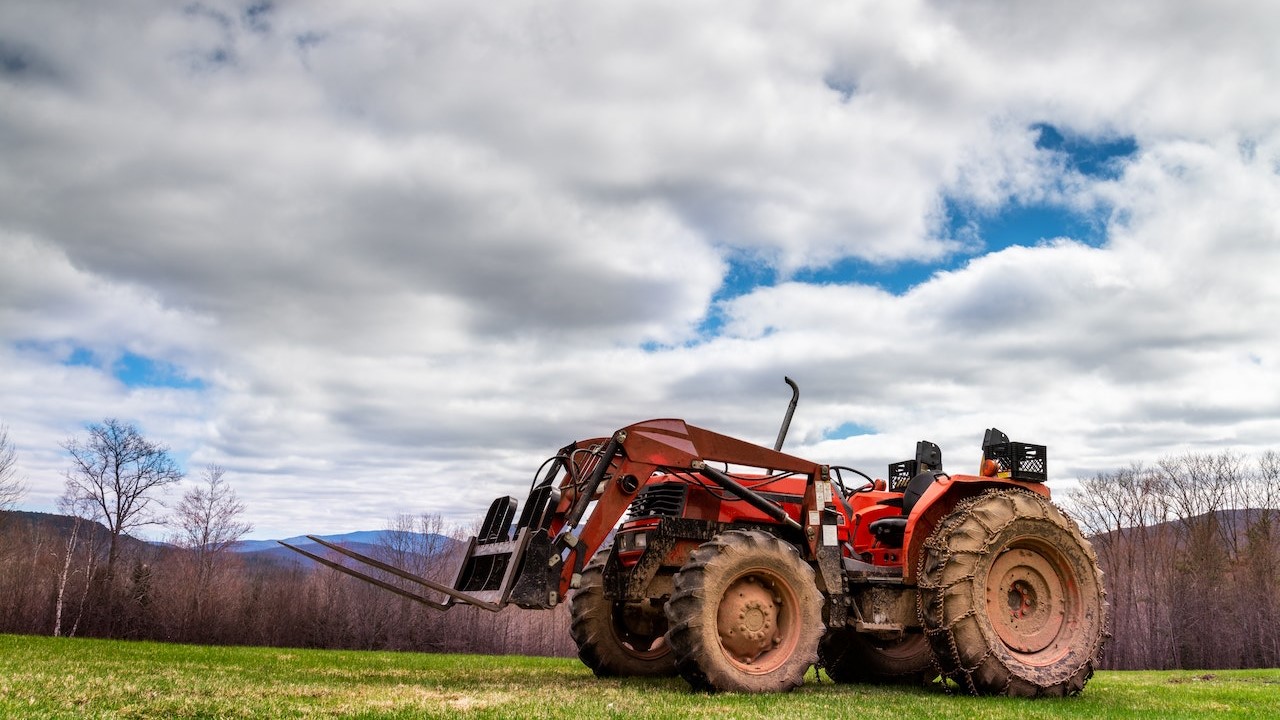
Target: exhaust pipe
{"points": [[791, 410]]}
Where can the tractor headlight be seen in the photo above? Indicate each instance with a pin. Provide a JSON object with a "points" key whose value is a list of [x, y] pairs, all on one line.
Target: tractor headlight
{"points": [[634, 541]]}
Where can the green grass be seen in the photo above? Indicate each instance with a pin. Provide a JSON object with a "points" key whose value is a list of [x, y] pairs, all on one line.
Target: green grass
{"points": [[44, 677]]}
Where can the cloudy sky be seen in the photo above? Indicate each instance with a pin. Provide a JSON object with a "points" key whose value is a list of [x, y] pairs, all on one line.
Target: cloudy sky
{"points": [[383, 258]]}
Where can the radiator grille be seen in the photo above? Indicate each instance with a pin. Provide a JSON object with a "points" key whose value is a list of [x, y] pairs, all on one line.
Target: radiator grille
{"points": [[659, 500]]}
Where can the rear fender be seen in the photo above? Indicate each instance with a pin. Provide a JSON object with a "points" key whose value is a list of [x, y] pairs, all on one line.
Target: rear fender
{"points": [[937, 502]]}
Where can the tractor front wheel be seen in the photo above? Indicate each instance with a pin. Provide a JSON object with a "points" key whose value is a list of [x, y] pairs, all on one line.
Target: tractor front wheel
{"points": [[613, 638], [746, 615], [1011, 597]]}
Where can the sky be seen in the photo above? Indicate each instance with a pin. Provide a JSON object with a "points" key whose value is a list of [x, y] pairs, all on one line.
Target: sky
{"points": [[385, 258]]}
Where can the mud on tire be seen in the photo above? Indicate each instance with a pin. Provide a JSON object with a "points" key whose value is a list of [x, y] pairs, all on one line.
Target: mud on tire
{"points": [[1011, 597], [746, 615], [615, 639]]}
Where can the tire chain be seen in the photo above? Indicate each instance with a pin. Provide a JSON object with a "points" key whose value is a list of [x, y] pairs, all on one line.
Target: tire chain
{"points": [[936, 629]]}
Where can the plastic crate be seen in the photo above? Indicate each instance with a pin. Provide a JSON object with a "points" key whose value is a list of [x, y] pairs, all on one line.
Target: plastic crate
{"points": [[900, 473], [1019, 461]]}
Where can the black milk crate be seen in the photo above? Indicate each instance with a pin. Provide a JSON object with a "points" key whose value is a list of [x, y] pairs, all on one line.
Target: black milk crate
{"points": [[900, 473], [1020, 461]]}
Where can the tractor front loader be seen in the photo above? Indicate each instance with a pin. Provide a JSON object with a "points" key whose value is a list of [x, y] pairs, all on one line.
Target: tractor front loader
{"points": [[739, 567]]}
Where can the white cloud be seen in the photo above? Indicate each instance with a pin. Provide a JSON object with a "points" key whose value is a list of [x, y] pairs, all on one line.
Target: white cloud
{"points": [[410, 249]]}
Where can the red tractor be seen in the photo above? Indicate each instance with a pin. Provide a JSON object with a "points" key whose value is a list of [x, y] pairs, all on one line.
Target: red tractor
{"points": [[740, 567]]}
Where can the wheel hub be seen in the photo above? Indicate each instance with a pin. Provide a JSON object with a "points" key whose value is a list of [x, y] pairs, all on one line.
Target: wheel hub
{"points": [[747, 619], [1026, 600]]}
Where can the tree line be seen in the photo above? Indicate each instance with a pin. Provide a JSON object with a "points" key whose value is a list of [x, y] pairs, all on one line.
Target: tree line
{"points": [[53, 584], [81, 573], [1190, 548], [1191, 551]]}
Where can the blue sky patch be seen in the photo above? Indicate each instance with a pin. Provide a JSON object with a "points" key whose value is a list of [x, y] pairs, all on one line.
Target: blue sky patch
{"points": [[847, 430], [1022, 224], [141, 371], [746, 273], [896, 278], [131, 369], [80, 357], [1094, 157], [1019, 223], [1030, 224]]}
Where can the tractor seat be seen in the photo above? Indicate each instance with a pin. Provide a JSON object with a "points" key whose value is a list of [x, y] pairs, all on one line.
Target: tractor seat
{"points": [[889, 530]]}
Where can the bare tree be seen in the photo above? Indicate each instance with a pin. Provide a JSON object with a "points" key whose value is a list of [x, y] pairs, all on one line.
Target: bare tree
{"points": [[1125, 511], [11, 488], [82, 511], [120, 472], [208, 516], [64, 577], [1260, 566], [1184, 543], [422, 546], [208, 521]]}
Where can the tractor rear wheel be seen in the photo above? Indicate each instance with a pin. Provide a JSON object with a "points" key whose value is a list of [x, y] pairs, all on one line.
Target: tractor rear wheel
{"points": [[1011, 597], [613, 638], [853, 657], [746, 615]]}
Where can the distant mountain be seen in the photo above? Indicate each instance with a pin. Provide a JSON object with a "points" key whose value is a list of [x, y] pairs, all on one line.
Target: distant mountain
{"points": [[365, 542], [1235, 522], [249, 546], [360, 537], [61, 526]]}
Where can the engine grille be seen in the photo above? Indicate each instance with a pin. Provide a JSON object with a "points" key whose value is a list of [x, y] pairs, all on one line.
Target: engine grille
{"points": [[659, 500]]}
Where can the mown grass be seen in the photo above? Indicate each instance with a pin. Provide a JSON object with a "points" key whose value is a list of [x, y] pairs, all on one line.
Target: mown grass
{"points": [[44, 677]]}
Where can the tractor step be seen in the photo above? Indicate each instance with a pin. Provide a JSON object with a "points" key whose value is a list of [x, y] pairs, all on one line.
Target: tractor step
{"points": [[863, 573], [884, 631]]}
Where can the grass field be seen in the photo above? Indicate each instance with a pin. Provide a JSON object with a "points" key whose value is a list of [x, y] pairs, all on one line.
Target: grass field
{"points": [[44, 677]]}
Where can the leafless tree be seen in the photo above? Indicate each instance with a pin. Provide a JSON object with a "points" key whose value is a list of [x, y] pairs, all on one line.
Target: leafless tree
{"points": [[1184, 543], [208, 517], [1125, 512], [209, 522], [423, 546], [121, 473], [80, 541], [11, 488]]}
